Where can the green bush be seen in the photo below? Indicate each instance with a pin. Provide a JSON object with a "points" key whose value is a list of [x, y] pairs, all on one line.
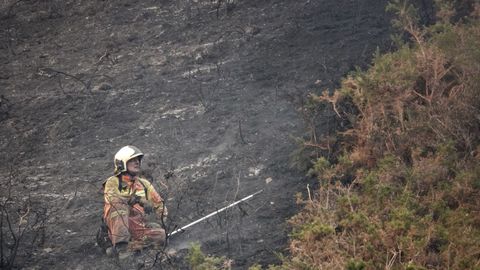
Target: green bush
{"points": [[199, 261], [313, 230], [355, 265], [255, 267]]}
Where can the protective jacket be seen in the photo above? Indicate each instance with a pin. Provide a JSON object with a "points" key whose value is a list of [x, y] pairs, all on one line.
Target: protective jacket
{"points": [[127, 223]]}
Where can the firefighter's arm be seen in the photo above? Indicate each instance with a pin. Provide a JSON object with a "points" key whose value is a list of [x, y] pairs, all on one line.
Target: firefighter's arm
{"points": [[157, 201], [112, 196], [111, 192]]}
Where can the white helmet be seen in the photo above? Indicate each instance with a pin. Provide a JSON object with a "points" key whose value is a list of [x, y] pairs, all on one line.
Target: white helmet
{"points": [[123, 156]]}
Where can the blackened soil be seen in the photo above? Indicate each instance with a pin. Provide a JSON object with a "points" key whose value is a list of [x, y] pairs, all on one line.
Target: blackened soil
{"points": [[209, 91]]}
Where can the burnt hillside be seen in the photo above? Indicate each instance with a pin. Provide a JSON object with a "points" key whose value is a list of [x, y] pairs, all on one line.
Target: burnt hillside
{"points": [[210, 91]]}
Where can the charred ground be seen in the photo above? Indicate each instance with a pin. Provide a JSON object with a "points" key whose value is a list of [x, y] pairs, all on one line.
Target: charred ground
{"points": [[209, 91]]}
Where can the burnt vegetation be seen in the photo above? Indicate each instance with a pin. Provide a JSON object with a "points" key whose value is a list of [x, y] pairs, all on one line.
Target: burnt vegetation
{"points": [[22, 223]]}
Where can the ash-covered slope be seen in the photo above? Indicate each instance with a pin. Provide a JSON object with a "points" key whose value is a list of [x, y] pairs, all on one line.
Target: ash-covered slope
{"points": [[208, 91]]}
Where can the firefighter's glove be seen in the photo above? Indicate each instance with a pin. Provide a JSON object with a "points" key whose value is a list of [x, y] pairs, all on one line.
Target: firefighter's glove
{"points": [[147, 206], [133, 200]]}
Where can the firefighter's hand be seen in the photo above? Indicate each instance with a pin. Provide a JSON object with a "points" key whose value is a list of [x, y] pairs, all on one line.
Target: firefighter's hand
{"points": [[134, 200], [148, 208]]}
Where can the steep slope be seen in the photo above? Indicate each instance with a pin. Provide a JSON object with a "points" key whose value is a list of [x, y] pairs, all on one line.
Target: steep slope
{"points": [[207, 90]]}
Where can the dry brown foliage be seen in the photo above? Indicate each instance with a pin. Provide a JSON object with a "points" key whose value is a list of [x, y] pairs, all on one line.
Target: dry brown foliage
{"points": [[412, 158]]}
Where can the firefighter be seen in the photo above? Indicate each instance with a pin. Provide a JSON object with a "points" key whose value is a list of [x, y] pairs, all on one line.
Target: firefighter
{"points": [[129, 198]]}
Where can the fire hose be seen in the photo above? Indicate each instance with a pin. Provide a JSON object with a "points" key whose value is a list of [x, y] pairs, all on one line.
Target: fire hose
{"points": [[214, 213]]}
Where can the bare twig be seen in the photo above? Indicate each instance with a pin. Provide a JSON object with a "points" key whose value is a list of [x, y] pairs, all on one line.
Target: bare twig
{"points": [[238, 187], [240, 131], [309, 193], [49, 72]]}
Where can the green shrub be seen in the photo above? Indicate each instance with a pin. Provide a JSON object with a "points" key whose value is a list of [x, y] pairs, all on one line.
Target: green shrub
{"points": [[355, 265], [199, 261], [313, 230], [255, 267]]}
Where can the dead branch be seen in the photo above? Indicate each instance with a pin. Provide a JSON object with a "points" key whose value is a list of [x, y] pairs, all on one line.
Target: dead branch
{"points": [[240, 131], [50, 72]]}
